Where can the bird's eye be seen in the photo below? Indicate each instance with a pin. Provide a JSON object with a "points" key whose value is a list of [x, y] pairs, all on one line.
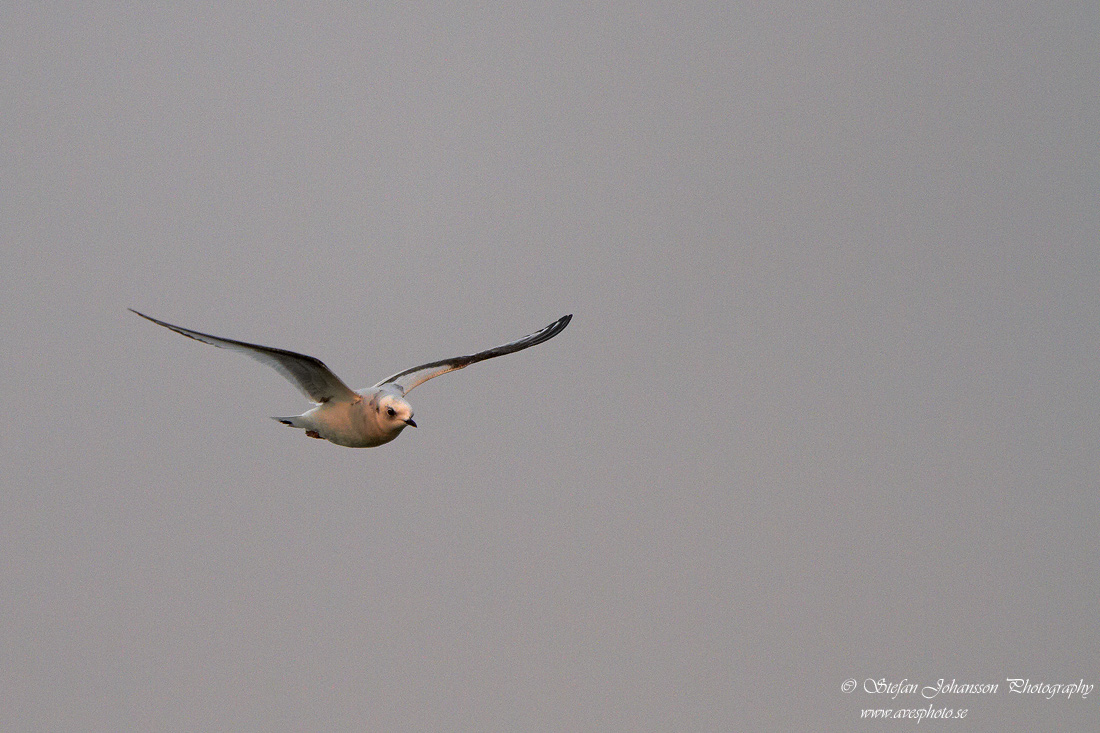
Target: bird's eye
{"points": [[391, 412]]}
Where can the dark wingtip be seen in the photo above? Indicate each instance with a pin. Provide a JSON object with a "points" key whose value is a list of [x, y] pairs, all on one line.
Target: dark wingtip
{"points": [[139, 313], [554, 328]]}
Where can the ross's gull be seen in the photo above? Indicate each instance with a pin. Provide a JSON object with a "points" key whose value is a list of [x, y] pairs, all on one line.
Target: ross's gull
{"points": [[363, 418]]}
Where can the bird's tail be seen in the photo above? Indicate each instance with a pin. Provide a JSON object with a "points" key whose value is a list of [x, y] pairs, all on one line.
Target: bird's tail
{"points": [[294, 422]]}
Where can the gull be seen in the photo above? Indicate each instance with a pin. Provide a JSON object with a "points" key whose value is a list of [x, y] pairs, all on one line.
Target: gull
{"points": [[363, 418]]}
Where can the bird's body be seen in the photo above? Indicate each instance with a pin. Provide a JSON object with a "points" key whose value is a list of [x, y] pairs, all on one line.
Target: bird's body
{"points": [[359, 423], [367, 417]]}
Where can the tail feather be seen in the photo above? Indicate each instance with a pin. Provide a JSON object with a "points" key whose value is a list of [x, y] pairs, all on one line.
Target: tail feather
{"points": [[294, 422]]}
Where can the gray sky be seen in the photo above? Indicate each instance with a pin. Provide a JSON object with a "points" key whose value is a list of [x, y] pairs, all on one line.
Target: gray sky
{"points": [[829, 407]]}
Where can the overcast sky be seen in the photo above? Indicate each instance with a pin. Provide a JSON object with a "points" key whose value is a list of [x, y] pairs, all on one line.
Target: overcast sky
{"points": [[828, 409]]}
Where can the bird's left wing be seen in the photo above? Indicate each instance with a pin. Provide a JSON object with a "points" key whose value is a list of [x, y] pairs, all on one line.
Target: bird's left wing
{"points": [[310, 375], [410, 379]]}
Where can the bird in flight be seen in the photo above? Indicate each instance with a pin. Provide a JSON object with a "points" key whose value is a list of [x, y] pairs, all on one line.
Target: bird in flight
{"points": [[363, 418]]}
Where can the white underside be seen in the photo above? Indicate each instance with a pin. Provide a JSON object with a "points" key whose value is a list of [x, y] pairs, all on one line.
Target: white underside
{"points": [[350, 424]]}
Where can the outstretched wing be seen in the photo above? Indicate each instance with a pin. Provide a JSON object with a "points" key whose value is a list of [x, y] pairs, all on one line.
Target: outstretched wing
{"points": [[308, 374], [410, 379]]}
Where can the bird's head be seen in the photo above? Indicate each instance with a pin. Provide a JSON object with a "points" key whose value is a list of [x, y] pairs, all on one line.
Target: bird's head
{"points": [[394, 412]]}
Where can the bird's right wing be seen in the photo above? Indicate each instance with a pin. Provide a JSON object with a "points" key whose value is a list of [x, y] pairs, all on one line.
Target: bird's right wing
{"points": [[310, 375]]}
